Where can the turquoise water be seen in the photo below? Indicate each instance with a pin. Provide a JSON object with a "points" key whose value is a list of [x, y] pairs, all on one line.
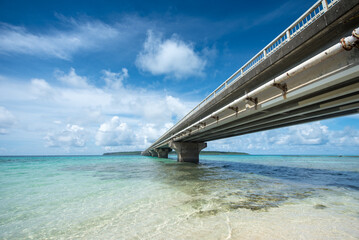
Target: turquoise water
{"points": [[224, 197]]}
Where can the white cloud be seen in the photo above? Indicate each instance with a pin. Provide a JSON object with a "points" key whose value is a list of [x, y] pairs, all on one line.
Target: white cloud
{"points": [[71, 136], [72, 79], [40, 88], [114, 133], [171, 57], [142, 115], [306, 134], [154, 107], [313, 138], [176, 106], [7, 120], [348, 137], [115, 80], [58, 44]]}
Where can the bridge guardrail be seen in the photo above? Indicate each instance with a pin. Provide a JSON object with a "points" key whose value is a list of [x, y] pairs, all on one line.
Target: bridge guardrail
{"points": [[313, 13]]}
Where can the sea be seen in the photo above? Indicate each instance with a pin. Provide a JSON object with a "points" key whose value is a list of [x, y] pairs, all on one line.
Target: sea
{"points": [[137, 197]]}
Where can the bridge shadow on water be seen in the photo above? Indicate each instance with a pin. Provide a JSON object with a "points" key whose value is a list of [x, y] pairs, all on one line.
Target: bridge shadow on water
{"points": [[302, 175], [223, 185], [226, 170], [230, 185]]}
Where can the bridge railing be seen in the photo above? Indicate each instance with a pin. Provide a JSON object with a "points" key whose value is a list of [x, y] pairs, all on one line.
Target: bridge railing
{"points": [[313, 13]]}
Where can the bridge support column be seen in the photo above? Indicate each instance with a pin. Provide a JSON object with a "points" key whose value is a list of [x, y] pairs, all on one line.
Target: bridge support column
{"points": [[188, 151], [163, 152], [153, 153], [145, 153]]}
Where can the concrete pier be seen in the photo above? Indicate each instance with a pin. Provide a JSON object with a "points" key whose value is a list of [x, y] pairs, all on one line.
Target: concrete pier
{"points": [[163, 152], [153, 153], [188, 151], [144, 153]]}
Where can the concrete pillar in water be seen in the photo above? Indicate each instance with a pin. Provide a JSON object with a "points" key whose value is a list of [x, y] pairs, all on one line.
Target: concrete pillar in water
{"points": [[188, 151], [153, 153], [163, 152], [145, 153]]}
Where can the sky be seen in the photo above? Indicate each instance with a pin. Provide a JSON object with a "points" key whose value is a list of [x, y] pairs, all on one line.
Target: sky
{"points": [[88, 77]]}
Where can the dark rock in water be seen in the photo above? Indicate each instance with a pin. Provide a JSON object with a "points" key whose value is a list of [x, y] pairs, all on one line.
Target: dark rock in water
{"points": [[320, 206]]}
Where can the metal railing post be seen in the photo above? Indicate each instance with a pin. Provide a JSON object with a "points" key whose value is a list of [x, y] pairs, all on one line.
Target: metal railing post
{"points": [[325, 5], [288, 35]]}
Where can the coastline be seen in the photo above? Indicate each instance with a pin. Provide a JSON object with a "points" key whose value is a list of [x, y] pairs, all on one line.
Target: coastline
{"points": [[135, 153]]}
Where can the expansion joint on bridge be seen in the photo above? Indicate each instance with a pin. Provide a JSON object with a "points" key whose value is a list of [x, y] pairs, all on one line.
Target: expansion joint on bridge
{"points": [[283, 87]]}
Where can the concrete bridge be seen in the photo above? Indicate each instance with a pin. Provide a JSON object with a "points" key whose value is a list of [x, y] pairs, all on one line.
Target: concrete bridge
{"points": [[308, 73]]}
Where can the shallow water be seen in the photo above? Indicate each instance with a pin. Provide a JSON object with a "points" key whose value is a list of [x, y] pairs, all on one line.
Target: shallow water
{"points": [[224, 197]]}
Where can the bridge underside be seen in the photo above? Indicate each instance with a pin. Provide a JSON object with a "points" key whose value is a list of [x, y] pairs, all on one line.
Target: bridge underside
{"points": [[295, 112], [307, 79], [328, 89]]}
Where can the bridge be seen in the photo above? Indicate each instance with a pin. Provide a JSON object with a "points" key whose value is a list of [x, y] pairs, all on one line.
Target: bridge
{"points": [[309, 72]]}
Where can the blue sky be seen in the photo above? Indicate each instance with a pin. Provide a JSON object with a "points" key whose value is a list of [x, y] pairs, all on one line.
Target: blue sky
{"points": [[87, 77]]}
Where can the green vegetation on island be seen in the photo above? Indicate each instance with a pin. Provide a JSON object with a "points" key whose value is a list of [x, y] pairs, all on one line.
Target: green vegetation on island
{"points": [[123, 153], [222, 153], [173, 152]]}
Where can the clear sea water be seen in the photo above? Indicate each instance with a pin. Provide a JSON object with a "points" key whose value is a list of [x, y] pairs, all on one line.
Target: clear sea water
{"points": [[224, 197]]}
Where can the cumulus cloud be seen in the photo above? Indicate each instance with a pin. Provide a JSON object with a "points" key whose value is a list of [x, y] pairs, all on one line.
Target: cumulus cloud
{"points": [[55, 43], [348, 137], [115, 80], [117, 134], [156, 108], [40, 88], [72, 79], [114, 133], [176, 106], [71, 136], [150, 132], [307, 134], [90, 105], [171, 57], [316, 138], [7, 120]]}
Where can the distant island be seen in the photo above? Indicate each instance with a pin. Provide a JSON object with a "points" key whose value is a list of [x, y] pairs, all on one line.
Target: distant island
{"points": [[173, 153], [123, 153]]}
